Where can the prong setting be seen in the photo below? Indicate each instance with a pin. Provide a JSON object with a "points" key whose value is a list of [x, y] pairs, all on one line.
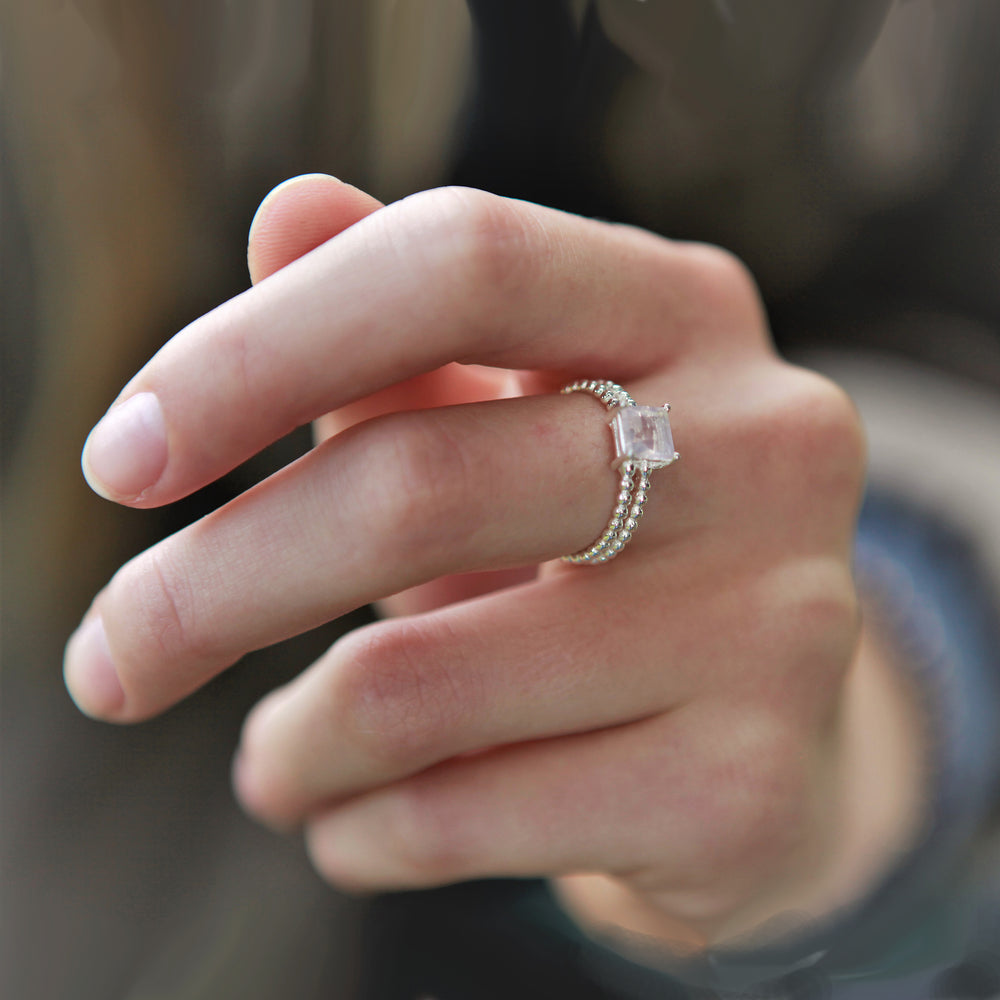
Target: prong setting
{"points": [[643, 441]]}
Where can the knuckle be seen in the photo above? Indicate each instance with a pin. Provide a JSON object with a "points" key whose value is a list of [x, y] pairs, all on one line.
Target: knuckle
{"points": [[399, 699], [483, 240], [158, 609], [808, 593], [829, 423], [805, 436], [827, 621], [826, 600], [268, 777], [233, 354], [727, 287], [751, 824], [330, 862], [424, 506], [763, 795], [245, 364], [411, 840], [426, 835], [722, 267], [324, 860], [807, 637]]}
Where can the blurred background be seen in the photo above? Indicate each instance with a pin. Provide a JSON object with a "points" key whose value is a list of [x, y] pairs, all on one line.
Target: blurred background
{"points": [[849, 150]]}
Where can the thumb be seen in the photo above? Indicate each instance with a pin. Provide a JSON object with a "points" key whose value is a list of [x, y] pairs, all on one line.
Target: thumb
{"points": [[299, 215]]}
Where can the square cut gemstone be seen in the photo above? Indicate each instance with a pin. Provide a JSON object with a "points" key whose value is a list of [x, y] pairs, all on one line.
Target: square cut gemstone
{"points": [[643, 433]]}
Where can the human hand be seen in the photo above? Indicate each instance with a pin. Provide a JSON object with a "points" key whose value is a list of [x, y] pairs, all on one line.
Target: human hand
{"points": [[674, 719]]}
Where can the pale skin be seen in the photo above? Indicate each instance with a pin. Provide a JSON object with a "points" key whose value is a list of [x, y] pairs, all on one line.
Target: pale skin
{"points": [[689, 739]]}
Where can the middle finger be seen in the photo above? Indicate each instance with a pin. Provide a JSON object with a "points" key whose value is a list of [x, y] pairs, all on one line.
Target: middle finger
{"points": [[444, 276]]}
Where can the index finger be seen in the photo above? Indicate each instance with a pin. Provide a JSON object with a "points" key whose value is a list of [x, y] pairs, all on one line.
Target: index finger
{"points": [[446, 275]]}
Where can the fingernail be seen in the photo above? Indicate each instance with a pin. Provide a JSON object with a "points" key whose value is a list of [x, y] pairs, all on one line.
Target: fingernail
{"points": [[90, 673], [126, 452]]}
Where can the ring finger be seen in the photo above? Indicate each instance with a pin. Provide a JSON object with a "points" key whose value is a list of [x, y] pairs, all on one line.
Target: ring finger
{"points": [[389, 504]]}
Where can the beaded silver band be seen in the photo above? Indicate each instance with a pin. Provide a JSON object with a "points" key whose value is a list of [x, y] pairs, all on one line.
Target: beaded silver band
{"points": [[634, 463]]}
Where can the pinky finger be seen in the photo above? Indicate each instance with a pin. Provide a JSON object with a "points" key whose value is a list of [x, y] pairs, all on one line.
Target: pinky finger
{"points": [[649, 796]]}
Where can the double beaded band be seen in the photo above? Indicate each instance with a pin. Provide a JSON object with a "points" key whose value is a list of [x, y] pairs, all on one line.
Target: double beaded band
{"points": [[643, 442]]}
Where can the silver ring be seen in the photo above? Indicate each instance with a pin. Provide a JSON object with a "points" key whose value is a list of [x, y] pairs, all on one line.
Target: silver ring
{"points": [[643, 442]]}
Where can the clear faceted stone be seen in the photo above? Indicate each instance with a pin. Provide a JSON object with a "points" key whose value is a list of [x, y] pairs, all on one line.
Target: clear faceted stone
{"points": [[643, 433]]}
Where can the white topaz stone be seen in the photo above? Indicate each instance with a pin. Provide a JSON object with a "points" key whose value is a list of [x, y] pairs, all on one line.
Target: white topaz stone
{"points": [[643, 433]]}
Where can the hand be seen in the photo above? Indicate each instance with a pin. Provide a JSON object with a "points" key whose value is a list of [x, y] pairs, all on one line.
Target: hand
{"points": [[675, 720]]}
